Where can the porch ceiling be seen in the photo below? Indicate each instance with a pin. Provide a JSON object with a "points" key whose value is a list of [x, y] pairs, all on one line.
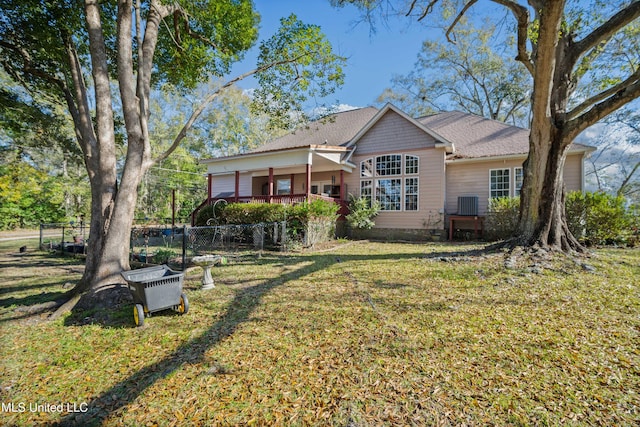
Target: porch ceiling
{"points": [[283, 162]]}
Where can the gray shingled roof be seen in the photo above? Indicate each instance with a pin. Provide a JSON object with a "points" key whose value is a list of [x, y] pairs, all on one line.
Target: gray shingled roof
{"points": [[334, 130], [474, 136]]}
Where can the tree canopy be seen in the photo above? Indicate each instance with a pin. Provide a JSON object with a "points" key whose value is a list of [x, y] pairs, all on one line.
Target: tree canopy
{"points": [[102, 61], [476, 74]]}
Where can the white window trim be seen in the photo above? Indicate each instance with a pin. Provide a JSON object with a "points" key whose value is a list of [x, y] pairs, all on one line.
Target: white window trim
{"points": [[375, 165], [508, 182], [515, 184], [404, 189], [404, 165], [372, 170], [403, 176]]}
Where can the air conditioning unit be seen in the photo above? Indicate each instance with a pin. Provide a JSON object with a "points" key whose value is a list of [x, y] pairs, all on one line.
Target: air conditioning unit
{"points": [[468, 205]]}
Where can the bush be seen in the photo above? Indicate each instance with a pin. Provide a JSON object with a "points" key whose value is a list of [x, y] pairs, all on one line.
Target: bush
{"points": [[252, 213], [600, 218], [361, 213], [241, 213], [502, 218], [322, 214]]}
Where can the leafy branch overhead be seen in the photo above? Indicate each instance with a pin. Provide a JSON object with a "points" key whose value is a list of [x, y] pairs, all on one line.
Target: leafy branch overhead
{"points": [[298, 64], [79, 55]]}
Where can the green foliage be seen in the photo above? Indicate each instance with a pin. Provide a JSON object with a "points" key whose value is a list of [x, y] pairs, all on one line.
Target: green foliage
{"points": [[600, 218], [163, 256], [299, 217], [204, 39], [594, 218], [28, 197], [299, 65], [502, 218], [254, 213], [361, 213]]}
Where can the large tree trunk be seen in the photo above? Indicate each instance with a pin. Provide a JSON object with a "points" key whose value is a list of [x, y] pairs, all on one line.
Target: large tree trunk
{"points": [[112, 202], [542, 220]]}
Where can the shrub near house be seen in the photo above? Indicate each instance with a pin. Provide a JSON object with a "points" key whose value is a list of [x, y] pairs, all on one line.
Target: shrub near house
{"points": [[311, 223], [594, 218]]}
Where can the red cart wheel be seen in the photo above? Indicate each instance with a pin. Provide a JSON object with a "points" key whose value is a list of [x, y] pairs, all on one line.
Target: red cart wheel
{"points": [[138, 314]]}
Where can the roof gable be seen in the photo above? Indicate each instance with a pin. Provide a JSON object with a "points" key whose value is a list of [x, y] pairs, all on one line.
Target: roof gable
{"points": [[440, 141]]}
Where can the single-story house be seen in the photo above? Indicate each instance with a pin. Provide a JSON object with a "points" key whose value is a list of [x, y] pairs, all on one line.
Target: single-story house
{"points": [[429, 174]]}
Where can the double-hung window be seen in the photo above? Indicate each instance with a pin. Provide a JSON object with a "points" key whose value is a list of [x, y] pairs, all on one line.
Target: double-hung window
{"points": [[499, 183]]}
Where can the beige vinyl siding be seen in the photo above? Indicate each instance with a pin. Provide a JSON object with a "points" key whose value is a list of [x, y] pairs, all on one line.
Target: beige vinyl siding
{"points": [[393, 133], [227, 184], [472, 179], [467, 178], [430, 192], [573, 172], [223, 184]]}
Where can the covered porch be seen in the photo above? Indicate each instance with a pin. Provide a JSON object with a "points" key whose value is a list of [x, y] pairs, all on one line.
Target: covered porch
{"points": [[281, 176]]}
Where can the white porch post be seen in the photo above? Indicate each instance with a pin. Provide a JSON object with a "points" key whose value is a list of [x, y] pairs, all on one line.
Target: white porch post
{"points": [[270, 184]]}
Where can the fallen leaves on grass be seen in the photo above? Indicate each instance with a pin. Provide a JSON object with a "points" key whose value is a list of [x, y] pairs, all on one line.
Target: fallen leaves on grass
{"points": [[390, 335]]}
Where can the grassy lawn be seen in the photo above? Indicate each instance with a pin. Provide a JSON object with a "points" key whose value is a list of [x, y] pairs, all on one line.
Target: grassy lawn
{"points": [[366, 334]]}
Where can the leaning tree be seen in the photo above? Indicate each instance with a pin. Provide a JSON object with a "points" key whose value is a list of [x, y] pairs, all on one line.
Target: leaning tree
{"points": [[101, 59], [585, 64]]}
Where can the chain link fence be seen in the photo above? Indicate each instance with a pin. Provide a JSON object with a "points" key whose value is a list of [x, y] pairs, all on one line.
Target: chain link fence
{"points": [[64, 237], [175, 245], [233, 238], [158, 245]]}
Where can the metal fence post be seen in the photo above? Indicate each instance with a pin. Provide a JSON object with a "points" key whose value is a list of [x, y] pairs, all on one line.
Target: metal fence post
{"points": [[62, 242], [284, 236], [41, 238], [184, 247]]}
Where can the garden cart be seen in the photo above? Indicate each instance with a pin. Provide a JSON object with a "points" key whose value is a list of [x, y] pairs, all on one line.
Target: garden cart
{"points": [[154, 289]]}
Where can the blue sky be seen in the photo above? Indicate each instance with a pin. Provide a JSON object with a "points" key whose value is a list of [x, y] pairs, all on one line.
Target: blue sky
{"points": [[373, 58]]}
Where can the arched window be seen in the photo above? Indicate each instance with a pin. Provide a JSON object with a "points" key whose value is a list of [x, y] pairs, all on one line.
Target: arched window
{"points": [[383, 178]]}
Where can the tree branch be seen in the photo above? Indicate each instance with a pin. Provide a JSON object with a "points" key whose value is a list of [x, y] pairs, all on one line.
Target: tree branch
{"points": [[198, 111], [99, 65], [522, 18], [607, 29], [618, 99], [458, 18], [427, 10], [603, 95], [626, 180]]}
